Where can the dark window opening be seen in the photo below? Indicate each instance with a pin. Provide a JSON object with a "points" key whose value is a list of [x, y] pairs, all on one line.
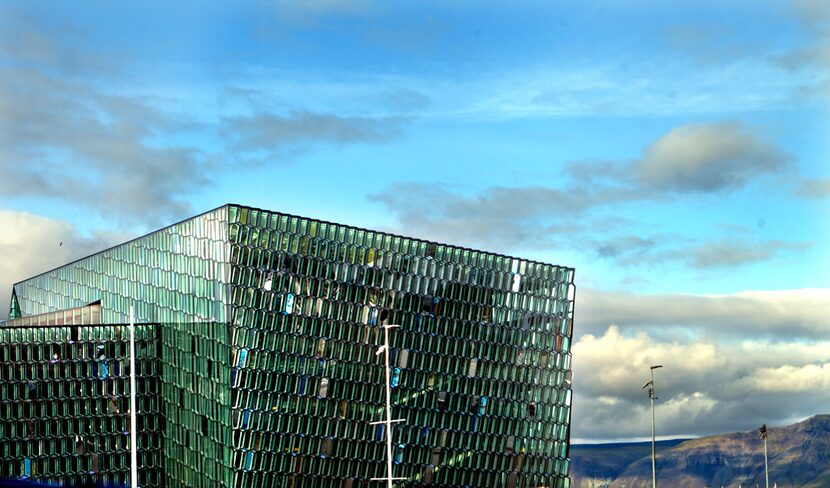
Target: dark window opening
{"points": [[427, 305], [398, 459], [429, 473], [511, 479], [328, 444], [435, 457], [442, 399]]}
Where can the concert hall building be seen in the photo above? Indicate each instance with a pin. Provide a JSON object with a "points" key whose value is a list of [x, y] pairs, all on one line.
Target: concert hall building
{"points": [[256, 366]]}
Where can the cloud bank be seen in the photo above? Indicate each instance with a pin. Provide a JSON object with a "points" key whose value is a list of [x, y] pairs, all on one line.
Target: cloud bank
{"points": [[730, 361], [783, 315], [705, 387]]}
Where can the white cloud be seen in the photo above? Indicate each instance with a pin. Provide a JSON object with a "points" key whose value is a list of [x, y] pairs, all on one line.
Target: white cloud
{"points": [[787, 378], [705, 386], [31, 244], [707, 158], [730, 361], [616, 362]]}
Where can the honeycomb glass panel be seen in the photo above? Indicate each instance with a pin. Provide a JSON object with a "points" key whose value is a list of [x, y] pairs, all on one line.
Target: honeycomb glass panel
{"points": [[259, 368]]}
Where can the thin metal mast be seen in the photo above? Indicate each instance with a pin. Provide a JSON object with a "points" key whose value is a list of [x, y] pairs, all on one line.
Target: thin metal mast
{"points": [[766, 464], [388, 422], [652, 395], [133, 421]]}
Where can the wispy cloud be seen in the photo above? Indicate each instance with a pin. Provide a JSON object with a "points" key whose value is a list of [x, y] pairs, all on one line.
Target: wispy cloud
{"points": [[584, 209], [818, 188], [813, 55], [278, 135], [66, 141], [707, 44], [497, 217], [725, 254], [405, 99], [65, 136], [312, 9]]}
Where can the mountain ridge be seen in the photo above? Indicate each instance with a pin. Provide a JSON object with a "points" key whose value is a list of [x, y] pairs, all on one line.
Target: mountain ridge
{"points": [[799, 456]]}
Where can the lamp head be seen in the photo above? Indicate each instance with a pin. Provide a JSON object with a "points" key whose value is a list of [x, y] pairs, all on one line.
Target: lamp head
{"points": [[656, 366]]}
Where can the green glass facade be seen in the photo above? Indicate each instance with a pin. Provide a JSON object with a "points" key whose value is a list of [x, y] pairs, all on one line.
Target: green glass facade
{"points": [[177, 274], [64, 413], [268, 373]]}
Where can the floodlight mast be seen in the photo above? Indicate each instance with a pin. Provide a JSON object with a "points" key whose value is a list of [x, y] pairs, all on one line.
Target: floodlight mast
{"points": [[384, 349], [652, 395]]}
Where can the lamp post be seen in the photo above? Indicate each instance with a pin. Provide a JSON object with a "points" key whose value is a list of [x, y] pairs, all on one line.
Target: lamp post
{"points": [[384, 349], [653, 396], [763, 432]]}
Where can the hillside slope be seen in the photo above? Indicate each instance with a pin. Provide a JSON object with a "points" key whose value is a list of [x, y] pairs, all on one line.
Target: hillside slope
{"points": [[799, 456], [597, 465]]}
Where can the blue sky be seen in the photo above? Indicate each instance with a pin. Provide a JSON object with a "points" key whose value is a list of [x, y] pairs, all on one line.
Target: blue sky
{"points": [[674, 153]]}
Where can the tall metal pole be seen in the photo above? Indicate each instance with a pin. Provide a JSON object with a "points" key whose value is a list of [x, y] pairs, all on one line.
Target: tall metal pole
{"points": [[763, 432], [388, 409], [133, 421], [766, 465], [653, 396], [653, 441], [388, 422]]}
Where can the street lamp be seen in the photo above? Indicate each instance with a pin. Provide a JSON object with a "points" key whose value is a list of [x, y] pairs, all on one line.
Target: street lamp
{"points": [[384, 349], [652, 396], [763, 432]]}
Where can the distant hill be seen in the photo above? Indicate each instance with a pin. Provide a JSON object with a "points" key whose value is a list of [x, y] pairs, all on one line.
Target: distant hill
{"points": [[597, 465], [799, 456]]}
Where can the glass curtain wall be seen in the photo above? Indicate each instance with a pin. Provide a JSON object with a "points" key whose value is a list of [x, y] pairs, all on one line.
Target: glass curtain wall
{"points": [[270, 323], [481, 363]]}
